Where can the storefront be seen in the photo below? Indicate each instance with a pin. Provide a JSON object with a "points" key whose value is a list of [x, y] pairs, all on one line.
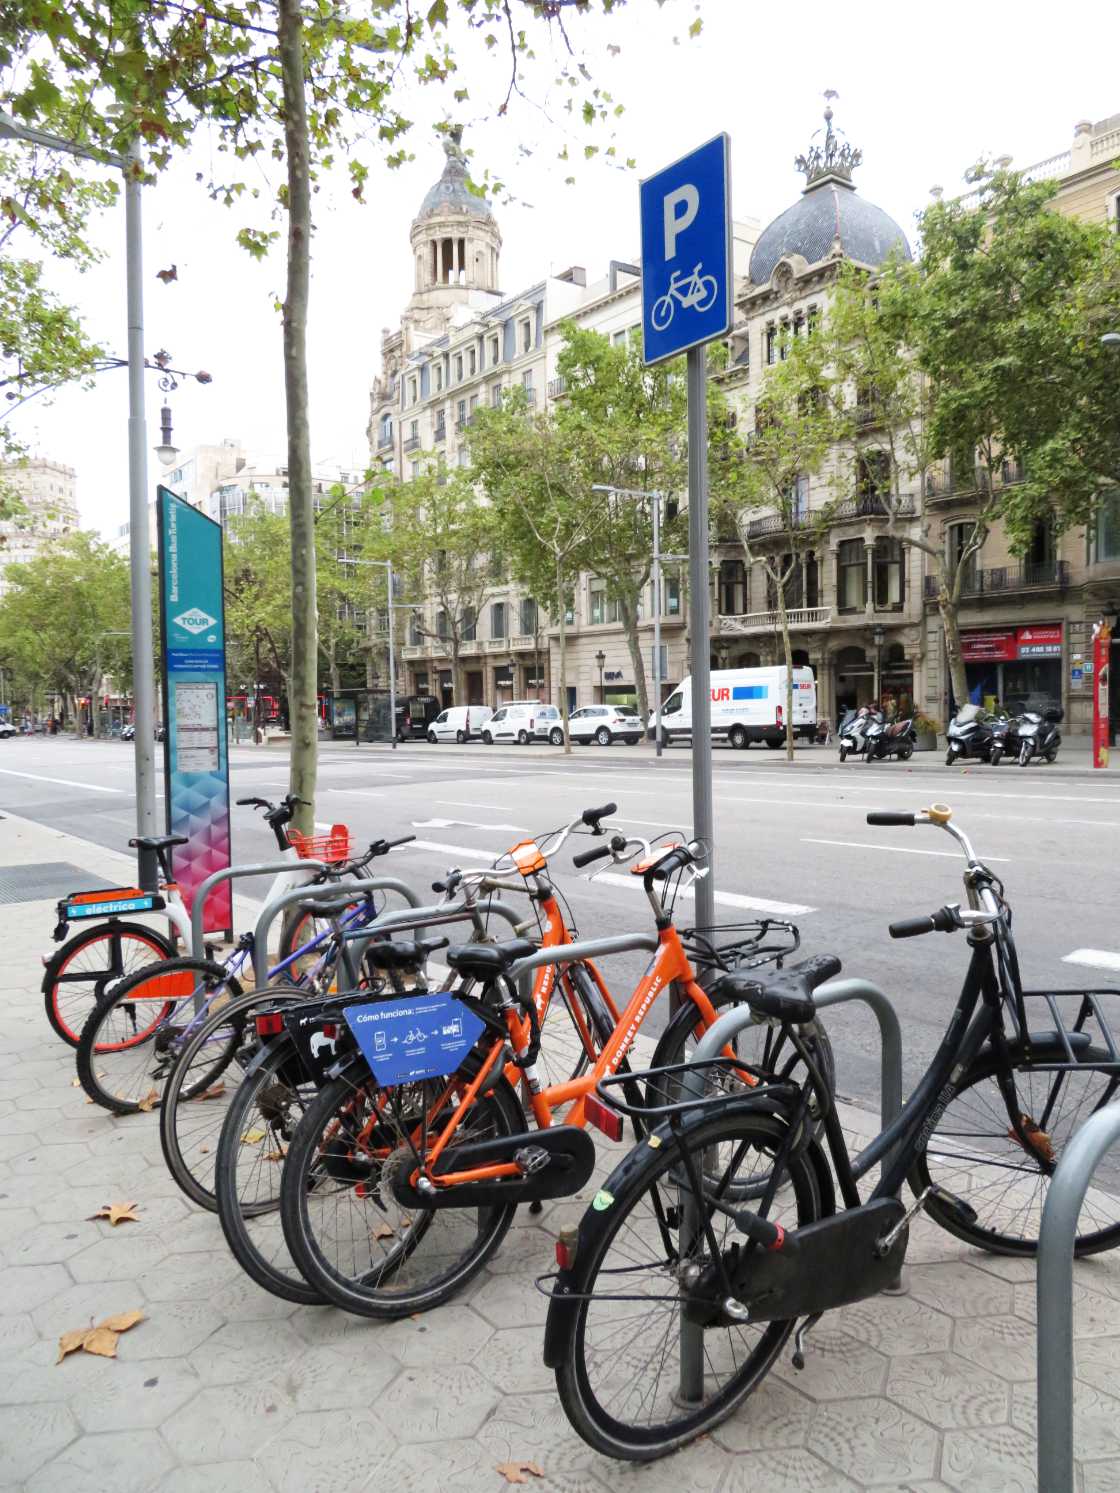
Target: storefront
{"points": [[503, 684], [616, 691], [1018, 668]]}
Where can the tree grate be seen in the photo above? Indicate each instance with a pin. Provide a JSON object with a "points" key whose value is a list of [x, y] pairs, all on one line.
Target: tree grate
{"points": [[43, 879]]}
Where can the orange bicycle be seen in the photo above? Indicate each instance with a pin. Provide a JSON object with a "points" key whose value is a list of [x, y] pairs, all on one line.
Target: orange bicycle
{"points": [[395, 1195]]}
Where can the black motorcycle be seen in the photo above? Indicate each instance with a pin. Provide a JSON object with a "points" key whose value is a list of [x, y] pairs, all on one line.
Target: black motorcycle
{"points": [[1035, 734], [852, 735], [971, 733], [897, 739]]}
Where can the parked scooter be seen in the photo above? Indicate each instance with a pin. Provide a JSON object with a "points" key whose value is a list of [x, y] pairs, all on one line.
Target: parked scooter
{"points": [[128, 732], [970, 734], [1003, 730], [852, 735], [897, 739], [1036, 734]]}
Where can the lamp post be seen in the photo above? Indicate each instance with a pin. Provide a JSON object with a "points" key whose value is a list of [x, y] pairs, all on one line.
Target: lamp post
{"points": [[877, 637], [654, 499], [600, 659], [143, 673], [387, 566]]}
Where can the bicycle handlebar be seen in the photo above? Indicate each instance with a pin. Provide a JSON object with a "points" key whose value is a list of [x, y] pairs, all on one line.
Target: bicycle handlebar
{"points": [[596, 853], [889, 816], [591, 817], [941, 921]]}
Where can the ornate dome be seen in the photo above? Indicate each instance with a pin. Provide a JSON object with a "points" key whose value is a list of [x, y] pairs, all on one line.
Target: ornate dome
{"points": [[451, 194], [830, 211]]}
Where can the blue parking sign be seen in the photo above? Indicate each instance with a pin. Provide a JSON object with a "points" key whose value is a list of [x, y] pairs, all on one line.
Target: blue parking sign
{"points": [[687, 269]]}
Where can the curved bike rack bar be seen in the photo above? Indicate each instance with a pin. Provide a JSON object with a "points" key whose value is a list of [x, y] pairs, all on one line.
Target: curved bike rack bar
{"points": [[271, 910], [584, 948], [1054, 1295], [712, 1043], [230, 873]]}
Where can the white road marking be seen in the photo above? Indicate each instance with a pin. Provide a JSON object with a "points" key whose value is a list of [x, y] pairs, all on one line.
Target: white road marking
{"points": [[462, 824], [899, 849], [473, 851], [1095, 958], [355, 792], [725, 899], [65, 782], [465, 803]]}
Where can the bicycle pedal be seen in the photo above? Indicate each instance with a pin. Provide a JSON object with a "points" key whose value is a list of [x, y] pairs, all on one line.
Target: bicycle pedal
{"points": [[964, 1210], [531, 1159]]}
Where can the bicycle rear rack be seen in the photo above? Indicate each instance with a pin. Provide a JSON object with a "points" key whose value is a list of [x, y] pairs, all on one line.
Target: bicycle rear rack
{"points": [[1090, 1022]]}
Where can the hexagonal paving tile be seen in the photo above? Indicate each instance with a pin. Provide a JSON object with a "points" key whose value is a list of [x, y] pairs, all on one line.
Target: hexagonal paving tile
{"points": [[873, 1441], [130, 1252], [171, 1330], [247, 1353], [534, 1426], [948, 1390], [71, 1306], [514, 1361], [1094, 1315], [960, 1289], [998, 1459], [775, 1416], [795, 1471], [50, 1243], [322, 1452], [510, 1301], [448, 1402], [227, 1423], [32, 1435], [1003, 1345], [837, 1366], [127, 1462], [897, 1325], [216, 1477], [24, 1288], [1096, 1419], [454, 1334], [134, 1395]]}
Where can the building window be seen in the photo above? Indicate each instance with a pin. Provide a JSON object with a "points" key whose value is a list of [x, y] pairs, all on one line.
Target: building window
{"points": [[415, 635], [528, 617], [673, 596], [873, 478], [957, 538], [1042, 551], [498, 619], [415, 470], [439, 376], [770, 343], [889, 574], [851, 575], [732, 588], [414, 430], [472, 360], [458, 368], [461, 413], [469, 627], [473, 405], [442, 626], [812, 320], [497, 567], [1107, 545], [526, 330], [496, 394], [601, 608], [412, 391], [495, 352]]}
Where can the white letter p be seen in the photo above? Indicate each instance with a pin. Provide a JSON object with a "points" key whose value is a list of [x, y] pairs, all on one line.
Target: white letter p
{"points": [[686, 198]]}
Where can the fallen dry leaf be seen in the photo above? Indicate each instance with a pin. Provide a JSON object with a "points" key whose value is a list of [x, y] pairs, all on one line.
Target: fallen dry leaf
{"points": [[205, 1150], [252, 1137], [75, 1083], [149, 1101], [514, 1472], [384, 1231], [280, 1155], [214, 1092], [116, 1213], [101, 1340]]}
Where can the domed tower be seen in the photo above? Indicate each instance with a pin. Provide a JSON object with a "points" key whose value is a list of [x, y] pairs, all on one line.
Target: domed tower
{"points": [[455, 240], [830, 221]]}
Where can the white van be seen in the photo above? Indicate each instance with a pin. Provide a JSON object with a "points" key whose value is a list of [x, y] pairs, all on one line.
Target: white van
{"points": [[524, 721], [459, 723], [747, 705]]}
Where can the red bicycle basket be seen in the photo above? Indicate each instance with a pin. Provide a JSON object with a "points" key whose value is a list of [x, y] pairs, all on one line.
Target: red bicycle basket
{"points": [[332, 847]]}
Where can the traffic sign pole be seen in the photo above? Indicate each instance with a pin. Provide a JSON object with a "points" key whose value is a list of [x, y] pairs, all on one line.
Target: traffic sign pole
{"points": [[699, 609]]}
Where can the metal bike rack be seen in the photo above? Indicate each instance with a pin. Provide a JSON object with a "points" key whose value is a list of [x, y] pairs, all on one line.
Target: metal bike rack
{"points": [[230, 873], [331, 889], [584, 948], [1054, 1295], [712, 1043]]}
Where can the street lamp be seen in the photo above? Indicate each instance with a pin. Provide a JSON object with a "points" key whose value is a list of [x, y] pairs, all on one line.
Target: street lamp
{"points": [[600, 659], [406, 606], [654, 499], [877, 637], [143, 672], [1111, 339]]}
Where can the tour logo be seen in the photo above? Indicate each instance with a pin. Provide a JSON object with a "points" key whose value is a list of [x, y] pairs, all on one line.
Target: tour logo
{"points": [[195, 620]]}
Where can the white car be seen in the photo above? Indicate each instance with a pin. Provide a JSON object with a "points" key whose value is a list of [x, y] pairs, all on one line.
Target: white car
{"points": [[605, 724], [7, 729], [524, 721], [459, 723]]}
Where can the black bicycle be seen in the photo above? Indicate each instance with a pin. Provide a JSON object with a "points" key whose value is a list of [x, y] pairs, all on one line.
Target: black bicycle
{"points": [[722, 1232]]}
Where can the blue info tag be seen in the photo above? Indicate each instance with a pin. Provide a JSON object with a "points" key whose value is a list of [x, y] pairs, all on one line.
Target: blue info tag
{"points": [[404, 1041]]}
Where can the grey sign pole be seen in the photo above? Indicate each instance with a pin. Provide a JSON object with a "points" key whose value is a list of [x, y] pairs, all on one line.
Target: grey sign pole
{"points": [[699, 609], [657, 498]]}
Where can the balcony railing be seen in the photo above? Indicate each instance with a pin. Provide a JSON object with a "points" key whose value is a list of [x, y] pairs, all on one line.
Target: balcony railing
{"points": [[440, 432], [411, 443], [556, 387], [1004, 580], [469, 647], [798, 618], [461, 425], [415, 650], [524, 641], [948, 481], [777, 523], [384, 440], [497, 645]]}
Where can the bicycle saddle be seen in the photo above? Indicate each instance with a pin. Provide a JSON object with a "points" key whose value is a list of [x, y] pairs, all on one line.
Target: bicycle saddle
{"points": [[402, 953], [328, 907], [156, 842], [787, 994], [488, 960]]}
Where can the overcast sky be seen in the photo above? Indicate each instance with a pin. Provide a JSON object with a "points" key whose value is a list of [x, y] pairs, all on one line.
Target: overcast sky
{"points": [[923, 92]]}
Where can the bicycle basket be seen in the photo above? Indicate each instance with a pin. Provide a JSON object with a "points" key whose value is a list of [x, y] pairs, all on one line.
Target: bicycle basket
{"points": [[332, 847]]}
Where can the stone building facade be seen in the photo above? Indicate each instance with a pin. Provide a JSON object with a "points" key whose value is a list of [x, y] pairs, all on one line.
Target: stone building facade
{"points": [[47, 490]]}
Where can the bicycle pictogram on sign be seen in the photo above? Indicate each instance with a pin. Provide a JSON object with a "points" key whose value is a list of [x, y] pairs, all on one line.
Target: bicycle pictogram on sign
{"points": [[697, 291]]}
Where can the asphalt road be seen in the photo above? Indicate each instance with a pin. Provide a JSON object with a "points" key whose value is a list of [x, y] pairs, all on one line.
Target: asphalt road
{"points": [[791, 841]]}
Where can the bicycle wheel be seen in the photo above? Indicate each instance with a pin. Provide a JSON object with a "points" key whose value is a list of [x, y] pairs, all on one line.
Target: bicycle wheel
{"points": [[975, 1155], [348, 1234], [617, 1351], [193, 1110], [574, 1028], [260, 1122], [90, 964], [131, 1038]]}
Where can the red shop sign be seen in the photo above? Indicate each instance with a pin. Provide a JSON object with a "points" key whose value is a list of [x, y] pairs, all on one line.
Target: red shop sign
{"points": [[1040, 641], [977, 647]]}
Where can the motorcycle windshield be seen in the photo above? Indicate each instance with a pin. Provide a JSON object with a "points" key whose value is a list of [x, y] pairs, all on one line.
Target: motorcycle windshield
{"points": [[968, 715]]}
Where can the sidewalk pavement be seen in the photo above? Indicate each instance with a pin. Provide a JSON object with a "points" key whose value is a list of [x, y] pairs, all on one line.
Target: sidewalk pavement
{"points": [[222, 1387]]}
